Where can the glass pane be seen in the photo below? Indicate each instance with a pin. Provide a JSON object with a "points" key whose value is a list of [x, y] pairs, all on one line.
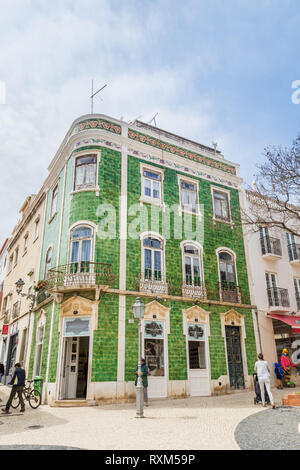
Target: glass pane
{"points": [[156, 190], [86, 250], [154, 355], [75, 250], [147, 188], [86, 160], [148, 264], [150, 174], [82, 232], [152, 242], [90, 175], [79, 176], [191, 250], [197, 358], [157, 260]]}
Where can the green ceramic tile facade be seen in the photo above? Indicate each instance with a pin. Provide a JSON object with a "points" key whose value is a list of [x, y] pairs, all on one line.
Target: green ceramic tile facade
{"points": [[83, 206]]}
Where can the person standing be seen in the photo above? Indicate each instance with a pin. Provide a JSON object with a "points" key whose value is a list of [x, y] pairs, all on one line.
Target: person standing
{"points": [[1, 371], [18, 388], [263, 374], [286, 364], [144, 379]]}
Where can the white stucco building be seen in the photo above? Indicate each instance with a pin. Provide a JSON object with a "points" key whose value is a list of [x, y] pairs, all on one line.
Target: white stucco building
{"points": [[273, 258]]}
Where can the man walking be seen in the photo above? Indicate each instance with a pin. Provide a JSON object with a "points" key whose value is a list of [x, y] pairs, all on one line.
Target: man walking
{"points": [[17, 388]]}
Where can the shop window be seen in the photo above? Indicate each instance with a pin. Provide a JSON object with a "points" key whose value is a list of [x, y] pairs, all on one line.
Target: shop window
{"points": [[154, 347], [196, 346]]}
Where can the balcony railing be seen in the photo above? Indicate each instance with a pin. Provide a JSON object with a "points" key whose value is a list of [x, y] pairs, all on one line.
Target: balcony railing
{"points": [[294, 252], [271, 246], [278, 297], [79, 275], [229, 292], [153, 281], [194, 288], [41, 296]]}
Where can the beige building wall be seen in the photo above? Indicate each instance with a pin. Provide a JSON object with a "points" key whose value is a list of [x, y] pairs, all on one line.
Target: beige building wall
{"points": [[285, 271], [24, 251]]}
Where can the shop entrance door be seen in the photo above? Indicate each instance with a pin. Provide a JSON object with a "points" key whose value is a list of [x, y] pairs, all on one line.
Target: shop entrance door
{"points": [[155, 353], [198, 361], [234, 357], [75, 368]]}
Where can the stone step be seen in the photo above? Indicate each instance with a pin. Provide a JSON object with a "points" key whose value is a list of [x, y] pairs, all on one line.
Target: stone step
{"points": [[73, 403]]}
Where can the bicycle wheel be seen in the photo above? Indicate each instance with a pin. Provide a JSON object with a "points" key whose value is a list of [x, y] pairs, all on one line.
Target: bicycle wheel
{"points": [[34, 399], [16, 402]]}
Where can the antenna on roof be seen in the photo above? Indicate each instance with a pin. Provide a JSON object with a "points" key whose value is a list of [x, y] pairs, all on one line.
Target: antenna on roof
{"points": [[215, 145], [136, 119], [94, 94], [154, 120]]}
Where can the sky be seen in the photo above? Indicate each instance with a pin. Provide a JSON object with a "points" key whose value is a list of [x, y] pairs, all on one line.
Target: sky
{"points": [[213, 71]]}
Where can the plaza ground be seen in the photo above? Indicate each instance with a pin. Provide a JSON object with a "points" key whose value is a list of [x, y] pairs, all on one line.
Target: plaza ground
{"points": [[198, 423]]}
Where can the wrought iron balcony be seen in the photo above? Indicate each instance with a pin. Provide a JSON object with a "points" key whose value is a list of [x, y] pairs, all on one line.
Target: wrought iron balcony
{"points": [[41, 295], [229, 292], [294, 253], [278, 297], [153, 281], [194, 288], [79, 275], [271, 247]]}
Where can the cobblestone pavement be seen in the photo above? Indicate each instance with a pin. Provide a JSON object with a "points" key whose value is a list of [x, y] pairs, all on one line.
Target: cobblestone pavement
{"points": [[209, 423]]}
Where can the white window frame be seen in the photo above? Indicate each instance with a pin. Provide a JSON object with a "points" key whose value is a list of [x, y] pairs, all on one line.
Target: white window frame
{"points": [[36, 228], [215, 217], [200, 258], [53, 208], [232, 253], [85, 153], [150, 199], [75, 226], [25, 243], [184, 179], [46, 270], [163, 251]]}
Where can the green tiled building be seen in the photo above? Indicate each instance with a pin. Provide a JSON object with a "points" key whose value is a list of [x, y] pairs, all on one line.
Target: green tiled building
{"points": [[135, 211]]}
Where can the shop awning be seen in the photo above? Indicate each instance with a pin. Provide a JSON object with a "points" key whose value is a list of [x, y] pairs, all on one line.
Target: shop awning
{"points": [[290, 320]]}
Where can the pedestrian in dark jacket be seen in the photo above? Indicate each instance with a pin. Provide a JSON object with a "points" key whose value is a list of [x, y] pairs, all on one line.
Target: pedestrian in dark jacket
{"points": [[17, 388], [1, 371], [144, 379]]}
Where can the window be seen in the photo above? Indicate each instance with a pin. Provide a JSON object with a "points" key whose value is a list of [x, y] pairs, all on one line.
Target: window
{"points": [[48, 261], [36, 227], [151, 185], [192, 265], [81, 249], [189, 196], [25, 243], [221, 205], [196, 345], [293, 248], [10, 262], [38, 353], [153, 259], [54, 201], [227, 268], [154, 347], [297, 292], [85, 172], [16, 255]]}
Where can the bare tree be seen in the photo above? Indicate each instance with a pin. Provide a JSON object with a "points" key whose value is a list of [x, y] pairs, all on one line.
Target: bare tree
{"points": [[275, 195]]}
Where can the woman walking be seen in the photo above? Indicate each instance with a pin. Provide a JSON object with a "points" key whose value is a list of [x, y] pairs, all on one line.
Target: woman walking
{"points": [[263, 374]]}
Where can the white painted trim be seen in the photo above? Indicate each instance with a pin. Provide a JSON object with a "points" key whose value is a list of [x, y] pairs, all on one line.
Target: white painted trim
{"points": [[183, 178], [200, 257], [163, 250], [231, 252], [153, 169], [75, 156]]}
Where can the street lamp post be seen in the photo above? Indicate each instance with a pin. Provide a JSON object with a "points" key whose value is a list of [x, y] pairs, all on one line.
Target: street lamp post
{"points": [[19, 287], [138, 309]]}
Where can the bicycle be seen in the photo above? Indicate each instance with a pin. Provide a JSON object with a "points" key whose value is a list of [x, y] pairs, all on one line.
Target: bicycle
{"points": [[32, 395]]}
